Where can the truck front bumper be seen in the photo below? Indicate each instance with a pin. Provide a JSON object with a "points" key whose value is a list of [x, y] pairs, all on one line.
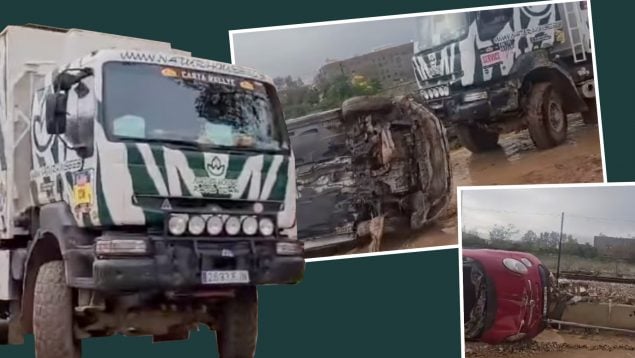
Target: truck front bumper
{"points": [[177, 264]]}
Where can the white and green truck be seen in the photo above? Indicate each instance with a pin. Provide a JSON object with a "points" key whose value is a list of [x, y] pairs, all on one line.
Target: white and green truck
{"points": [[142, 192]]}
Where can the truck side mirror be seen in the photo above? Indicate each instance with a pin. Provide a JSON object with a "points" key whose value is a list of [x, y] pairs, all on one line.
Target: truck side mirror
{"points": [[56, 113]]}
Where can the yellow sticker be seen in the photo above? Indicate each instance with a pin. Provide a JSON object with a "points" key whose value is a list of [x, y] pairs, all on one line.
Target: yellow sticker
{"points": [[83, 194], [168, 72], [247, 85]]}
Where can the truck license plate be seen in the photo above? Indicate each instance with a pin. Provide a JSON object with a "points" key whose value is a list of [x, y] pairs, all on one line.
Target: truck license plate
{"points": [[216, 277]]}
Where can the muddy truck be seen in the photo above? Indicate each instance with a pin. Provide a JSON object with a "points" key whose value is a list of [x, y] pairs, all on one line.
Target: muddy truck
{"points": [[142, 192], [375, 165], [494, 71]]}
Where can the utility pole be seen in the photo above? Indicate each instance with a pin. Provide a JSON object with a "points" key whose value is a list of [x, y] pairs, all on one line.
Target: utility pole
{"points": [[559, 249]]}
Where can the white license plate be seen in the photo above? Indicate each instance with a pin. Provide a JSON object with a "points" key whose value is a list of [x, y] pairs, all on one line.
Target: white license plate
{"points": [[216, 277]]}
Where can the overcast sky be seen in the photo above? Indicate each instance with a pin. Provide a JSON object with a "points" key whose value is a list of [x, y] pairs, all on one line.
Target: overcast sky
{"points": [[301, 52], [588, 211]]}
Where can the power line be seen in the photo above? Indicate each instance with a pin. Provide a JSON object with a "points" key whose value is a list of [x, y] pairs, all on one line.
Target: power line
{"points": [[509, 211]]}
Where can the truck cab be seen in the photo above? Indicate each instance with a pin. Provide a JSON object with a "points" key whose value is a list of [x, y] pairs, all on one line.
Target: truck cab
{"points": [[144, 191], [500, 70]]}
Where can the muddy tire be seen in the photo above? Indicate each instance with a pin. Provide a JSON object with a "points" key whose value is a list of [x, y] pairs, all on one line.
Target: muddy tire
{"points": [[53, 314], [365, 104], [475, 139], [546, 118], [590, 116], [238, 331]]}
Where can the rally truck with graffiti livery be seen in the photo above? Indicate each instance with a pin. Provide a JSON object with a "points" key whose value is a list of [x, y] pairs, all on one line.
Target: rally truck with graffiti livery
{"points": [[142, 192], [494, 71]]}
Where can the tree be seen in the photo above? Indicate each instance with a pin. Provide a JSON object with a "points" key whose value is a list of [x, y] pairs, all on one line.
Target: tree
{"points": [[502, 233]]}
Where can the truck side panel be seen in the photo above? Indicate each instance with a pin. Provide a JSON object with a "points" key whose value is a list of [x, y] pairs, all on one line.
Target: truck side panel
{"points": [[4, 222], [6, 288]]}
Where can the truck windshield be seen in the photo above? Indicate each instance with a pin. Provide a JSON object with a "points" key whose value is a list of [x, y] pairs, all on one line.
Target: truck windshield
{"points": [[437, 30], [154, 103]]}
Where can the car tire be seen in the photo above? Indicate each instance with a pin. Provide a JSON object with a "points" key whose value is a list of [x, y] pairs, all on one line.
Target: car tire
{"points": [[53, 314], [590, 116], [476, 139], [546, 118], [238, 331], [356, 106]]}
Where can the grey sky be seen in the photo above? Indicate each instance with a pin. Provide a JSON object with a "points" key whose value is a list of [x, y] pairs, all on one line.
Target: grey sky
{"points": [[302, 51], [588, 210]]}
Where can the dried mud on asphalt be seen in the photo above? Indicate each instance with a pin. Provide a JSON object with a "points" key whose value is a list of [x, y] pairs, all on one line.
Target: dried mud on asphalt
{"points": [[517, 161], [560, 344]]}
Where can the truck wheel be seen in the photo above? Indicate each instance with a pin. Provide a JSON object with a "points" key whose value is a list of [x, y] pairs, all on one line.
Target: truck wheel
{"points": [[365, 104], [475, 139], [53, 314], [590, 116], [546, 119], [236, 337]]}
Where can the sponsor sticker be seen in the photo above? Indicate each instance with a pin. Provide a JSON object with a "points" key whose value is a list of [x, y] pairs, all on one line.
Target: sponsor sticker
{"points": [[216, 186], [247, 85], [491, 58], [169, 72], [207, 77], [82, 191]]}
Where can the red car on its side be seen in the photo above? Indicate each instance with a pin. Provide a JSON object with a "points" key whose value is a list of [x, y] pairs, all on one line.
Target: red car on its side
{"points": [[505, 295]]}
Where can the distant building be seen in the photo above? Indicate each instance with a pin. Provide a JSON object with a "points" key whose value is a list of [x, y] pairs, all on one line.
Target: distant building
{"points": [[391, 66], [617, 247]]}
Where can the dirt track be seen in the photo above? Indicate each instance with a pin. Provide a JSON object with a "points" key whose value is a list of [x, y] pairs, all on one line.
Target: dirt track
{"points": [[517, 161], [560, 344]]}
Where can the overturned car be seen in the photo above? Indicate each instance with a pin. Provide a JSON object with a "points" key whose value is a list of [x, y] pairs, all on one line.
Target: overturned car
{"points": [[505, 295], [373, 166]]}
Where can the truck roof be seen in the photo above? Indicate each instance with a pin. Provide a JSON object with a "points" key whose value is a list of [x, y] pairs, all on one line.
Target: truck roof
{"points": [[80, 43]]}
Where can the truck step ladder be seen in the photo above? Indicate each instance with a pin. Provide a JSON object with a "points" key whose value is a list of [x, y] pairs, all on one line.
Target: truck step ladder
{"points": [[572, 11]]}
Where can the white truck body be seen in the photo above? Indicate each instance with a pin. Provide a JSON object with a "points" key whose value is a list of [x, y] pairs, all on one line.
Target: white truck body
{"points": [[26, 56]]}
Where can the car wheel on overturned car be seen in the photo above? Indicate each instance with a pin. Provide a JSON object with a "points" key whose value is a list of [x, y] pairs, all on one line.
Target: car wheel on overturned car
{"points": [[53, 314], [238, 331], [546, 118], [366, 104], [476, 139]]}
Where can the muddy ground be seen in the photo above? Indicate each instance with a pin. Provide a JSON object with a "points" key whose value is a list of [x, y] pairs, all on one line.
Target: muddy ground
{"points": [[560, 344], [517, 161]]}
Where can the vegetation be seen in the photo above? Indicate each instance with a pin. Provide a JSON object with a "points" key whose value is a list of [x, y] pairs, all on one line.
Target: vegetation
{"points": [[299, 99], [500, 237]]}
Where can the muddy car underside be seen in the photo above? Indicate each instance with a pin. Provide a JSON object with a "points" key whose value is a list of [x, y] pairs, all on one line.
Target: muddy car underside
{"points": [[374, 165]]}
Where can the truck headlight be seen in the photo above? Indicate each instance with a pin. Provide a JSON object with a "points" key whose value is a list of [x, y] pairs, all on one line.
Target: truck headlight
{"points": [[232, 226], [106, 247], [266, 226], [250, 225], [196, 225], [177, 224], [214, 225]]}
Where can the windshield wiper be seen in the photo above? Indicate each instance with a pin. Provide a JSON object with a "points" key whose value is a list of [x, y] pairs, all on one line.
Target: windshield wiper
{"points": [[169, 141], [237, 149]]}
